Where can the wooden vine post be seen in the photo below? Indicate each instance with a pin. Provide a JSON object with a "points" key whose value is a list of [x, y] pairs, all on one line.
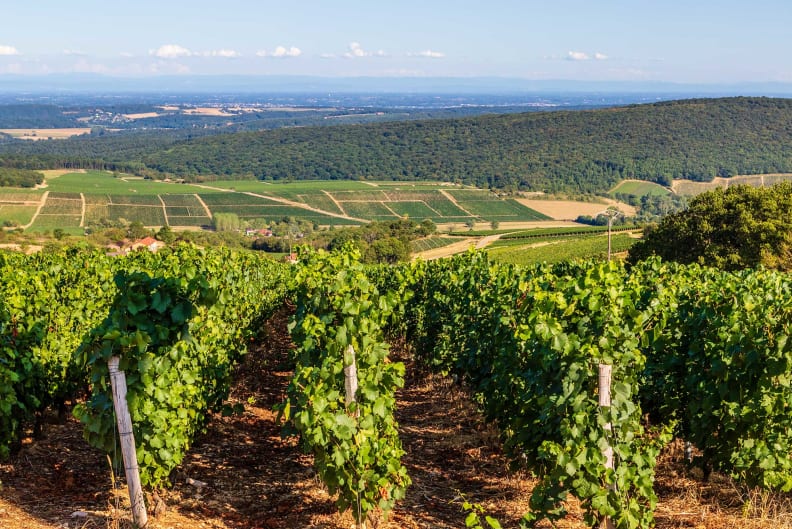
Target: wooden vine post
{"points": [[127, 438], [605, 402], [350, 378], [350, 389]]}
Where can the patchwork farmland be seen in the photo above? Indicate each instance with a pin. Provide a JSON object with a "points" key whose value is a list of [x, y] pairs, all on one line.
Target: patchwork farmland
{"points": [[80, 200]]}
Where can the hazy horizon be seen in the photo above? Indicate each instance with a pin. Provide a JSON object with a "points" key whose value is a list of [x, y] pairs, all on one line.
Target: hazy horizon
{"points": [[92, 83]]}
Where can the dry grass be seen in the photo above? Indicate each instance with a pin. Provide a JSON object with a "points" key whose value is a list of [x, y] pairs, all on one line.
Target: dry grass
{"points": [[54, 173], [570, 209], [45, 134], [142, 115], [206, 111]]}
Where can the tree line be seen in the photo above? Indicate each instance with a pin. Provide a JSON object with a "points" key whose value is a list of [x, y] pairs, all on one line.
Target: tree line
{"points": [[563, 151]]}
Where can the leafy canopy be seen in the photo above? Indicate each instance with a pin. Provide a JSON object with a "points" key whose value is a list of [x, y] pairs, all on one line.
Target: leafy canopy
{"points": [[739, 227]]}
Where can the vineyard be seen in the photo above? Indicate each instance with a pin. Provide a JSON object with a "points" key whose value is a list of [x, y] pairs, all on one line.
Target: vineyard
{"points": [[695, 354]]}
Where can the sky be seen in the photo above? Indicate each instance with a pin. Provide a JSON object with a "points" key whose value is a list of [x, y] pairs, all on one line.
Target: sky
{"points": [[683, 41]]}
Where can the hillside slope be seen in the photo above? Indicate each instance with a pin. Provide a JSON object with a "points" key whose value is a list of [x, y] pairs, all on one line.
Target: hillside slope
{"points": [[570, 151]]}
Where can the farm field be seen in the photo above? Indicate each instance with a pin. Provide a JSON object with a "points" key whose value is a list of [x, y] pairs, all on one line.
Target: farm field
{"points": [[555, 250], [17, 213], [639, 188], [572, 209], [88, 197], [430, 243], [45, 134]]}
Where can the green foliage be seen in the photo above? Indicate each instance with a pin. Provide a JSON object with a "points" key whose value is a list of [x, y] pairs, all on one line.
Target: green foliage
{"points": [[19, 177], [721, 365], [226, 222], [553, 151], [586, 151], [178, 335], [47, 303], [473, 519], [181, 332], [740, 227], [339, 322], [559, 248], [529, 344]]}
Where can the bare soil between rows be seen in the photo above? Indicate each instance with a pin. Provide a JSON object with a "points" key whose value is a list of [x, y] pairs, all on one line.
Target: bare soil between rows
{"points": [[256, 479]]}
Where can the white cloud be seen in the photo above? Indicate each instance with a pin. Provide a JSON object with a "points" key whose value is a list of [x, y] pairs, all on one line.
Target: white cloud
{"points": [[356, 51], [8, 50], [74, 53], [126, 54], [428, 53], [600, 56], [229, 54], [174, 51], [327, 56], [170, 51], [577, 56], [280, 51]]}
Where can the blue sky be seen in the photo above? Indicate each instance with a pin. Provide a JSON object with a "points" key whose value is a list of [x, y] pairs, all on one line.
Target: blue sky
{"points": [[680, 41]]}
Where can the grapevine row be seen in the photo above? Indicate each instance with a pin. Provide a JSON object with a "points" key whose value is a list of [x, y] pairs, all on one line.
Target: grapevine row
{"points": [[179, 320]]}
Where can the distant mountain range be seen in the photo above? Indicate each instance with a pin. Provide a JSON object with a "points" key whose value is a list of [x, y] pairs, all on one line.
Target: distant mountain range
{"points": [[234, 84]]}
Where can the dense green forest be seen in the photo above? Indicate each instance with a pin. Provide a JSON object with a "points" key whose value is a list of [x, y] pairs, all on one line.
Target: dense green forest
{"points": [[566, 151], [19, 177]]}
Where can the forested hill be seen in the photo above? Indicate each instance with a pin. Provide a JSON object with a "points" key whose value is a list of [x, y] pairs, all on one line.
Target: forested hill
{"points": [[584, 151]]}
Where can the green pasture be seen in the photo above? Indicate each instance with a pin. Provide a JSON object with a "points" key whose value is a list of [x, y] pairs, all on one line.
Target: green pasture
{"points": [[16, 213], [101, 182], [640, 189]]}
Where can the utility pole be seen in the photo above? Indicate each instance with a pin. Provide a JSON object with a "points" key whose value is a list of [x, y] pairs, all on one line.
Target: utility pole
{"points": [[611, 213]]}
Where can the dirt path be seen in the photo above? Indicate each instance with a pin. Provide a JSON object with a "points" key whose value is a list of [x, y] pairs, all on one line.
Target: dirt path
{"points": [[336, 202], [386, 206], [164, 210], [285, 201], [203, 204], [450, 197], [255, 479], [446, 251], [38, 210], [489, 239], [82, 210], [306, 206]]}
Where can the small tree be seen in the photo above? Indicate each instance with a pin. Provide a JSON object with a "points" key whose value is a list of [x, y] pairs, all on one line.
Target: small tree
{"points": [[739, 227], [136, 230], [166, 235], [226, 222]]}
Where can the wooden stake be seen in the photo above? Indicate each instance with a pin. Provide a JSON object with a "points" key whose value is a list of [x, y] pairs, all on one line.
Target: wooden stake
{"points": [[127, 437], [605, 402], [350, 389], [350, 377]]}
